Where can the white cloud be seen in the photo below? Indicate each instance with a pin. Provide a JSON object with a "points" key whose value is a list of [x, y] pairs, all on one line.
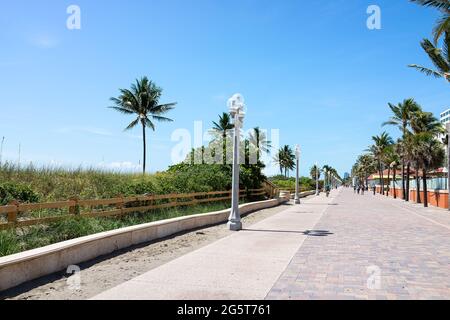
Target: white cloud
{"points": [[44, 41], [90, 130]]}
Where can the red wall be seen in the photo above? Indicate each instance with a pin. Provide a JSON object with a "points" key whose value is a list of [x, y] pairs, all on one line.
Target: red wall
{"points": [[436, 198]]}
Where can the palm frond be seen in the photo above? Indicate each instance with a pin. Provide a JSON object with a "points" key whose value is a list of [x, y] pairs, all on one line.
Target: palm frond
{"points": [[132, 124], [427, 71]]}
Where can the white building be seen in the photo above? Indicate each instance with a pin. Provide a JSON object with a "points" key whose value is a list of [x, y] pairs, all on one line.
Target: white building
{"points": [[445, 118]]}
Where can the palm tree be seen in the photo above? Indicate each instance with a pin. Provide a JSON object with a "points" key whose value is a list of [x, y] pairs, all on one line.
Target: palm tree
{"points": [[288, 159], [431, 155], [223, 128], [443, 24], [423, 123], [378, 149], [401, 118], [391, 160], [365, 165], [440, 59], [258, 139], [314, 172], [142, 100], [278, 159]]}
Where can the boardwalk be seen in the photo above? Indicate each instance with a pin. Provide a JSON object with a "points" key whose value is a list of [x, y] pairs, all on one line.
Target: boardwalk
{"points": [[344, 247]]}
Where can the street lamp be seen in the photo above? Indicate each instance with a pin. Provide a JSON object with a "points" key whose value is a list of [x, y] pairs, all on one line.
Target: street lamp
{"points": [[236, 108], [317, 180], [297, 157]]}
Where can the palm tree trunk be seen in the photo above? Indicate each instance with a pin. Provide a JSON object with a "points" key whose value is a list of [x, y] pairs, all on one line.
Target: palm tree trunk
{"points": [[403, 179], [408, 169], [145, 149], [395, 180], [417, 185], [425, 190], [388, 181]]}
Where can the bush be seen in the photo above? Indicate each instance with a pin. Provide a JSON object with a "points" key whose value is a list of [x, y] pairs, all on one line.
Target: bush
{"points": [[14, 191]]}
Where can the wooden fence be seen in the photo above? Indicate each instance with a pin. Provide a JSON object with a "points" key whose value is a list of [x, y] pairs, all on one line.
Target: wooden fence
{"points": [[15, 213]]}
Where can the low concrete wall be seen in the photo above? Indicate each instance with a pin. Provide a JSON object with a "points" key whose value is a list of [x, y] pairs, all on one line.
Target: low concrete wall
{"points": [[28, 265]]}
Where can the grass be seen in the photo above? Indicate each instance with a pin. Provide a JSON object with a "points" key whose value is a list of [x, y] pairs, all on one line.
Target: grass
{"points": [[21, 239], [46, 184]]}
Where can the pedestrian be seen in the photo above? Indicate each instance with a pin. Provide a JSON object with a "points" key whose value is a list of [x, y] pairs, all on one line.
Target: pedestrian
{"points": [[374, 189], [354, 188], [362, 190], [358, 189]]}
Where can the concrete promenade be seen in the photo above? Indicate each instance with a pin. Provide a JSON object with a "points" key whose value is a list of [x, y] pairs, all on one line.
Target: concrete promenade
{"points": [[347, 246]]}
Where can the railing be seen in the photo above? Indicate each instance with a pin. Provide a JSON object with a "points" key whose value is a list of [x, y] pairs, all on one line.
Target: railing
{"points": [[17, 214]]}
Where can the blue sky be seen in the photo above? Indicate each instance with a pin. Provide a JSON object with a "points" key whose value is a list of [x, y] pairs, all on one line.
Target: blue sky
{"points": [[309, 68]]}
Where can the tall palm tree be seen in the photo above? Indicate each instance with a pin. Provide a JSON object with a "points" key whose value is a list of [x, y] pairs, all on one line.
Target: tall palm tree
{"points": [[423, 123], [443, 24], [288, 159], [378, 149], [391, 159], [314, 172], [278, 159], [440, 59], [142, 100], [258, 139], [431, 155], [223, 128], [402, 114], [364, 166]]}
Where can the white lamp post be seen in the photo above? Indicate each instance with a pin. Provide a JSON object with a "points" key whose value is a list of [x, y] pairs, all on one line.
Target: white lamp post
{"points": [[317, 180], [297, 157], [236, 108]]}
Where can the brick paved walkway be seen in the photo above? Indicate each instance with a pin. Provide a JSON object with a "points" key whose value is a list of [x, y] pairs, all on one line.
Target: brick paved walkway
{"points": [[406, 245]]}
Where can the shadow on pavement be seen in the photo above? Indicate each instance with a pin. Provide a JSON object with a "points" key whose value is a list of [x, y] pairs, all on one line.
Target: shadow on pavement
{"points": [[312, 233]]}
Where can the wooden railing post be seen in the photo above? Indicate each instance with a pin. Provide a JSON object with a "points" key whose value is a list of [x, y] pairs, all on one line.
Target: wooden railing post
{"points": [[74, 209], [12, 216], [121, 204]]}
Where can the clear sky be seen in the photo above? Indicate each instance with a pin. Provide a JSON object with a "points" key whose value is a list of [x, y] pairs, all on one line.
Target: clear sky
{"points": [[309, 68]]}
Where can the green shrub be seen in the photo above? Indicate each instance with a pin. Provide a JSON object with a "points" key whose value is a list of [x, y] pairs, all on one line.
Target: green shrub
{"points": [[15, 191]]}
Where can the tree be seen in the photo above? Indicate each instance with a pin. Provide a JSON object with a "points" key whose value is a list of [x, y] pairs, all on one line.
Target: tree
{"points": [[440, 59], [223, 128], [431, 155], [443, 24], [391, 160], [365, 165], [259, 140], [423, 123], [314, 172], [285, 158], [402, 114], [378, 149], [142, 100]]}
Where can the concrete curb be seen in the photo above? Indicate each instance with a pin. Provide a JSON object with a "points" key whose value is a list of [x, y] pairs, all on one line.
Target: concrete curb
{"points": [[28, 265]]}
